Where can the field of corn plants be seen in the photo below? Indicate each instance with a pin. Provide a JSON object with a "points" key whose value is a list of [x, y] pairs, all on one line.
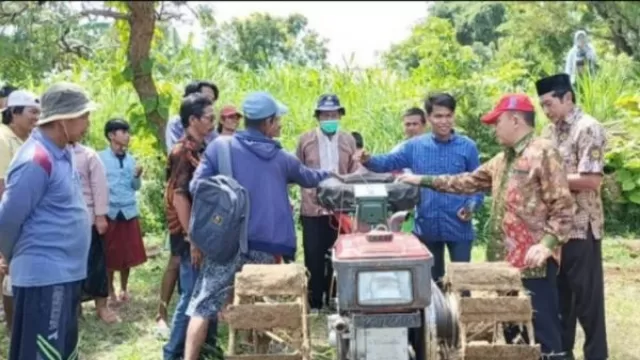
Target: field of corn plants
{"points": [[374, 100]]}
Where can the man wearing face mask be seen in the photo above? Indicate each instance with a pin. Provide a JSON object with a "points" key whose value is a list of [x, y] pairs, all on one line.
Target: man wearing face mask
{"points": [[44, 221], [18, 119], [330, 149], [532, 211]]}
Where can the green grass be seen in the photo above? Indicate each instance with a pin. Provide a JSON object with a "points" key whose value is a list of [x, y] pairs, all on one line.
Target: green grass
{"points": [[134, 338]]}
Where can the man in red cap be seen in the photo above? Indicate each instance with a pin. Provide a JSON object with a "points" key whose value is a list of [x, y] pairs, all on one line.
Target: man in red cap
{"points": [[532, 210]]}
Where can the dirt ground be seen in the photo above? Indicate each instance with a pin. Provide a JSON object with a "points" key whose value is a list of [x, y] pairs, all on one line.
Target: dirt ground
{"points": [[135, 338]]}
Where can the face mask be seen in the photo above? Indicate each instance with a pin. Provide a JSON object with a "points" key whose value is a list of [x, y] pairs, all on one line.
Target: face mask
{"points": [[329, 126]]}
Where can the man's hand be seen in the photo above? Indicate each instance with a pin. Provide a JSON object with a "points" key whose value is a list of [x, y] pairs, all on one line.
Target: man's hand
{"points": [[361, 156], [464, 214], [4, 267], [337, 176], [409, 179], [196, 256], [138, 171], [537, 255], [101, 224]]}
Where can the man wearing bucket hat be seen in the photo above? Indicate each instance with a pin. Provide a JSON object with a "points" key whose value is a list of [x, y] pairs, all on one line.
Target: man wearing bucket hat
{"points": [[18, 119], [328, 148], [582, 141], [532, 210], [45, 229], [264, 169]]}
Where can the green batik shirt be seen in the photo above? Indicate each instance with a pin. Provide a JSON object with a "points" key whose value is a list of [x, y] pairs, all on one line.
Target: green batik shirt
{"points": [[531, 200]]}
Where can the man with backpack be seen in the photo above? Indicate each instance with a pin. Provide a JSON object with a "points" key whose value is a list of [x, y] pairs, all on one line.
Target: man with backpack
{"points": [[260, 171]]}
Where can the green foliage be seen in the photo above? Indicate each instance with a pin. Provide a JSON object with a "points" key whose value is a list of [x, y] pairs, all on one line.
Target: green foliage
{"points": [[36, 39], [459, 51], [473, 21], [263, 40]]}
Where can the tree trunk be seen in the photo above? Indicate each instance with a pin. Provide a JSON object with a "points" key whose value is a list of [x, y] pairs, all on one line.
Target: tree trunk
{"points": [[142, 21]]}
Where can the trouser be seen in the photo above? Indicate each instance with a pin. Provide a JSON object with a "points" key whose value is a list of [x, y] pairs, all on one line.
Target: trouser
{"points": [[45, 325], [318, 236], [458, 252], [581, 291], [546, 322], [174, 349]]}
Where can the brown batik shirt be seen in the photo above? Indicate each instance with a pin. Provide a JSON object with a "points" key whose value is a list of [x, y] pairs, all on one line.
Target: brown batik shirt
{"points": [[581, 141], [531, 201], [181, 164]]}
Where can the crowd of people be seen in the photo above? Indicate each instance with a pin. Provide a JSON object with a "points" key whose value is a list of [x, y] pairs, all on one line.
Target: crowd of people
{"points": [[69, 216]]}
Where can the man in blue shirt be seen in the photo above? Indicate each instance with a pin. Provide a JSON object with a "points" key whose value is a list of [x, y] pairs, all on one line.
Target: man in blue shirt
{"points": [[175, 130], [45, 229], [441, 219], [264, 169]]}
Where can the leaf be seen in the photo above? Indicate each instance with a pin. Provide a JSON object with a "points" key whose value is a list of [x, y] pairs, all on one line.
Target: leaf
{"points": [[150, 104], [635, 197], [633, 164], [147, 66], [623, 175], [127, 73], [628, 185]]}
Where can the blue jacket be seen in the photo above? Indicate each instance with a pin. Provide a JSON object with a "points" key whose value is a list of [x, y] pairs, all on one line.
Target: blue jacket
{"points": [[437, 214], [261, 166], [122, 184], [45, 227]]}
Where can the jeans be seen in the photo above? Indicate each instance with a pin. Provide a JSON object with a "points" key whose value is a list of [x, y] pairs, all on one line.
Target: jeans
{"points": [[174, 349]]}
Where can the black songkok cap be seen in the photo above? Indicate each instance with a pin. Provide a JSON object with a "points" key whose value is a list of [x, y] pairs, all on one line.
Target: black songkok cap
{"points": [[554, 82]]}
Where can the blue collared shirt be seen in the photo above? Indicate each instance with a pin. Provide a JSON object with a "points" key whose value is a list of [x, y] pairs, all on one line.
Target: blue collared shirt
{"points": [[123, 183], [437, 214], [45, 227]]}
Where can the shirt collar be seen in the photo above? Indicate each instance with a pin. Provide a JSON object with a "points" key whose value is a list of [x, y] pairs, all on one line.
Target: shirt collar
{"points": [[54, 149], [193, 144], [519, 146], [451, 138], [571, 118]]}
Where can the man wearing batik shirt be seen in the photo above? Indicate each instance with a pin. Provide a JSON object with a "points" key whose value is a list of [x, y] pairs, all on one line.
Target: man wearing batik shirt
{"points": [[532, 210], [581, 140], [196, 113]]}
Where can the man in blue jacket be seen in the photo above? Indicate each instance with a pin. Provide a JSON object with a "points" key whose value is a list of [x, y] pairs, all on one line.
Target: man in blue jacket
{"points": [[264, 169], [441, 219], [45, 229]]}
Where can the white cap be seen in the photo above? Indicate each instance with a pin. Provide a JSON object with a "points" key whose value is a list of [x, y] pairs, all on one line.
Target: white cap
{"points": [[23, 98]]}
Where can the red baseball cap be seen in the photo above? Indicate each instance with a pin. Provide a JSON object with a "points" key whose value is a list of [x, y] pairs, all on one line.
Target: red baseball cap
{"points": [[229, 110], [509, 102]]}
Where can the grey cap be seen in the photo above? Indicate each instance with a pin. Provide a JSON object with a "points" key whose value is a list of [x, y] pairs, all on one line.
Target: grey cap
{"points": [[64, 101]]}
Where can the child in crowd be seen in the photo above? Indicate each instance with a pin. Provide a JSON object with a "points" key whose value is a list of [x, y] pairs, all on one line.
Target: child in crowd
{"points": [[123, 239]]}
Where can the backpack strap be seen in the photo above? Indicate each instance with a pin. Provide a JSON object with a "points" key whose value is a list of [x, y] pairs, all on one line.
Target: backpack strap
{"points": [[224, 156], [224, 168]]}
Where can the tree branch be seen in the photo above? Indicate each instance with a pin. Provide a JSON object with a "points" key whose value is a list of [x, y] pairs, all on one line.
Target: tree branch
{"points": [[105, 13]]}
